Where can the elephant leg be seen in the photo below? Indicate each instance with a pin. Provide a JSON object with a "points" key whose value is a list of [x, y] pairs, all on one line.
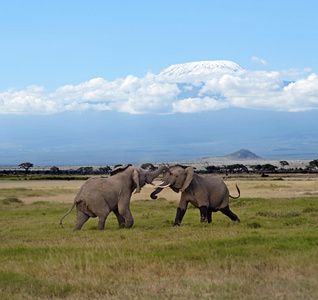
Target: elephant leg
{"points": [[210, 214], [226, 210], [179, 216], [204, 214], [102, 219], [81, 219], [126, 213], [120, 218]]}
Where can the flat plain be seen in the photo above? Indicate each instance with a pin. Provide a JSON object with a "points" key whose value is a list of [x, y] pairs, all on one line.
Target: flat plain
{"points": [[271, 254]]}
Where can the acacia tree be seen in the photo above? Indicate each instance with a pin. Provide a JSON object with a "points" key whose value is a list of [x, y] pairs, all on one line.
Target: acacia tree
{"points": [[256, 168], [55, 170], [85, 170], [105, 170], [26, 166], [213, 169], [268, 167], [313, 163], [284, 163], [236, 168]]}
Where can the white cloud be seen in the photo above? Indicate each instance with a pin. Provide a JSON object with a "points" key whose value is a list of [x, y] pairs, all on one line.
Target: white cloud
{"points": [[193, 105], [31, 100], [162, 95], [304, 92], [294, 73], [259, 60]]}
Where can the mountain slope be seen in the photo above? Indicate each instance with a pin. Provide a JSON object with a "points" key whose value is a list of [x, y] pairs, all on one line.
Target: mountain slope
{"points": [[243, 154], [200, 68], [191, 79]]}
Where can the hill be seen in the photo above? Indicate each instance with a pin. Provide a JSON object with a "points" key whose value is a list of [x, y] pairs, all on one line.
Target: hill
{"points": [[243, 154]]}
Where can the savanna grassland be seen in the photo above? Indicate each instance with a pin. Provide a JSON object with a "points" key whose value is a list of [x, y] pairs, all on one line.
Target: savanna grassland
{"points": [[271, 254]]}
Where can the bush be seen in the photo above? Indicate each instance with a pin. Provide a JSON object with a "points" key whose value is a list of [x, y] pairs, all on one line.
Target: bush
{"points": [[11, 200]]}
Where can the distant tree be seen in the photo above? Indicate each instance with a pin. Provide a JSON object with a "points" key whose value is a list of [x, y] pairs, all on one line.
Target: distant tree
{"points": [[212, 169], [313, 163], [148, 166], [55, 170], [85, 170], [236, 168], [105, 170], [268, 167], [80, 170], [284, 163], [256, 168], [26, 166]]}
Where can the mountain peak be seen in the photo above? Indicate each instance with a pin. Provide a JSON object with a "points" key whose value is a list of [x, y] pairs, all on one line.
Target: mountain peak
{"points": [[200, 67], [243, 154]]}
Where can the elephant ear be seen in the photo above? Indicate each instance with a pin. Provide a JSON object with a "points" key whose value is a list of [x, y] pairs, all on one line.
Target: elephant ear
{"points": [[189, 173], [119, 169], [135, 178]]}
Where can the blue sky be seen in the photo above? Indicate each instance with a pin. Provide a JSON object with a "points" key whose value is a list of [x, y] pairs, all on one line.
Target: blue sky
{"points": [[79, 84]]}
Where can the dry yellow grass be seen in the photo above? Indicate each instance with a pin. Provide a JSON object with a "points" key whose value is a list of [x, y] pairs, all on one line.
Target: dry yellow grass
{"points": [[65, 191]]}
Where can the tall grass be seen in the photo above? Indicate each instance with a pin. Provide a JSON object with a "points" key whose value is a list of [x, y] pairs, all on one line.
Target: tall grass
{"points": [[271, 254]]}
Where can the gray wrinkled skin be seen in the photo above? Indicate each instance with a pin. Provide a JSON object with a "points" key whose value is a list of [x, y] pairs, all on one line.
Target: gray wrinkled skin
{"points": [[208, 193], [99, 196]]}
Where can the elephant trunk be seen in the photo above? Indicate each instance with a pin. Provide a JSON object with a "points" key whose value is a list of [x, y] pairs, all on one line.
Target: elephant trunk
{"points": [[152, 175], [154, 193], [159, 189]]}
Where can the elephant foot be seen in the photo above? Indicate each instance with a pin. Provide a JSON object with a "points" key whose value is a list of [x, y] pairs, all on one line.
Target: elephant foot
{"points": [[209, 216], [101, 226], [226, 210], [235, 218], [179, 216], [204, 214], [129, 224], [122, 225]]}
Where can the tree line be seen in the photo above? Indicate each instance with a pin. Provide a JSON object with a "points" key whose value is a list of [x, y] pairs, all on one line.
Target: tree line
{"points": [[258, 168], [26, 168]]}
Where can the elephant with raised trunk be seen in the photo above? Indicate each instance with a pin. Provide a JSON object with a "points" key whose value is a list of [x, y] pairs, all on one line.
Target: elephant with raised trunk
{"points": [[99, 196], [208, 193]]}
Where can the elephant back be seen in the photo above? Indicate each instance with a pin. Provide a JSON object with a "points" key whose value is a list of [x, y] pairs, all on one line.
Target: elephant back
{"points": [[119, 169]]}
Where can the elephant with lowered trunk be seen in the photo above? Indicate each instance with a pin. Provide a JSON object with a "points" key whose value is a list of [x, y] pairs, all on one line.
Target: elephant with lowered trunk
{"points": [[99, 196], [209, 193]]}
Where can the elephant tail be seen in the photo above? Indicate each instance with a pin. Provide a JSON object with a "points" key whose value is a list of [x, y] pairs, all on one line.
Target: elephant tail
{"points": [[239, 193], [67, 213]]}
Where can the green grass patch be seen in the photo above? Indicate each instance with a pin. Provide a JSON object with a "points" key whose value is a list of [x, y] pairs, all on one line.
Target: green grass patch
{"points": [[10, 200], [272, 253]]}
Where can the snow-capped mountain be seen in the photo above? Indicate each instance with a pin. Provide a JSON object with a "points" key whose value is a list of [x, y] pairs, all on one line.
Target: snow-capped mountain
{"points": [[191, 77], [200, 68]]}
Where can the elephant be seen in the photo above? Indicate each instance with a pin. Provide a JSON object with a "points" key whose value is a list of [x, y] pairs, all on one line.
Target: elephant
{"points": [[208, 193], [99, 196]]}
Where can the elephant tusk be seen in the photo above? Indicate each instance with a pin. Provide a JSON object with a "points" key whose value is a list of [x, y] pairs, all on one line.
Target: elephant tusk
{"points": [[160, 186]]}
